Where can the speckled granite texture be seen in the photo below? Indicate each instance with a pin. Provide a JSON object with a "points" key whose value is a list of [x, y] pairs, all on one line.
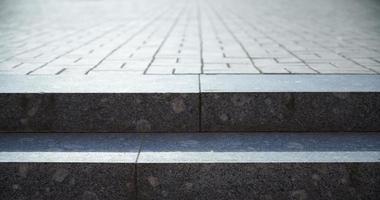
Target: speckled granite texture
{"points": [[189, 166], [168, 112], [190, 181], [286, 111], [259, 181], [102, 112], [66, 181]]}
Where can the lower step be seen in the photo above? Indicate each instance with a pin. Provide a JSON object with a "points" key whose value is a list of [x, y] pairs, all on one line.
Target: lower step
{"points": [[244, 103], [190, 181], [190, 166]]}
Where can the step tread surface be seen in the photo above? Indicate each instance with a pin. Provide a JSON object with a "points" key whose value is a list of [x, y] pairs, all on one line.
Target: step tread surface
{"points": [[191, 148]]}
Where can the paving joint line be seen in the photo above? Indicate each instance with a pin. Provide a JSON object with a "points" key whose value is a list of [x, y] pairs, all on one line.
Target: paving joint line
{"points": [[164, 40], [71, 50], [44, 44], [200, 34], [127, 41], [269, 37], [236, 39]]}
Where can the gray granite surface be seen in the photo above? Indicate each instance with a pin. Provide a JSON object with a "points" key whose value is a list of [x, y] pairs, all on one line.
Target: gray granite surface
{"points": [[99, 112], [84, 181], [259, 181], [260, 166], [290, 111], [190, 147], [68, 166], [199, 166], [216, 103]]}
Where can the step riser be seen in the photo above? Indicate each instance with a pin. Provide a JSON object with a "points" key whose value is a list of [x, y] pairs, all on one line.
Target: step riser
{"points": [[99, 112], [190, 181], [290, 112], [259, 181], [67, 181], [192, 112]]}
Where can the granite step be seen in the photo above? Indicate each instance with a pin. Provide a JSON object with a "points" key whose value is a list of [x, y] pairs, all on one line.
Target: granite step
{"points": [[312, 103], [190, 103], [190, 166]]}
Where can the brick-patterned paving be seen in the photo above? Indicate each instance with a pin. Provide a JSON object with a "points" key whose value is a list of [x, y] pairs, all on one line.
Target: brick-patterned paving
{"points": [[68, 37]]}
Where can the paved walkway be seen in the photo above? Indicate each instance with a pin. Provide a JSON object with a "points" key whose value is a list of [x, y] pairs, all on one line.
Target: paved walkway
{"points": [[189, 37]]}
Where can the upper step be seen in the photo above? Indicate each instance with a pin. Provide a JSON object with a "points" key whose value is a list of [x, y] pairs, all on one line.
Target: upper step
{"points": [[189, 103]]}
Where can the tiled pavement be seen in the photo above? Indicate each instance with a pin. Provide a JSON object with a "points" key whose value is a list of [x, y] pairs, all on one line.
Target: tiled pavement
{"points": [[189, 37]]}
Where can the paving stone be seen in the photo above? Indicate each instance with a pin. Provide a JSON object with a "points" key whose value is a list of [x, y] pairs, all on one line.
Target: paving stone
{"points": [[275, 69], [206, 33], [300, 69]]}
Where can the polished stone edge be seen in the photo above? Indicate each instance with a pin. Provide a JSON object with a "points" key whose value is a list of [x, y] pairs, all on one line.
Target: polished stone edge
{"points": [[67, 157], [188, 83], [289, 83], [190, 157], [99, 84], [190, 148], [259, 157]]}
